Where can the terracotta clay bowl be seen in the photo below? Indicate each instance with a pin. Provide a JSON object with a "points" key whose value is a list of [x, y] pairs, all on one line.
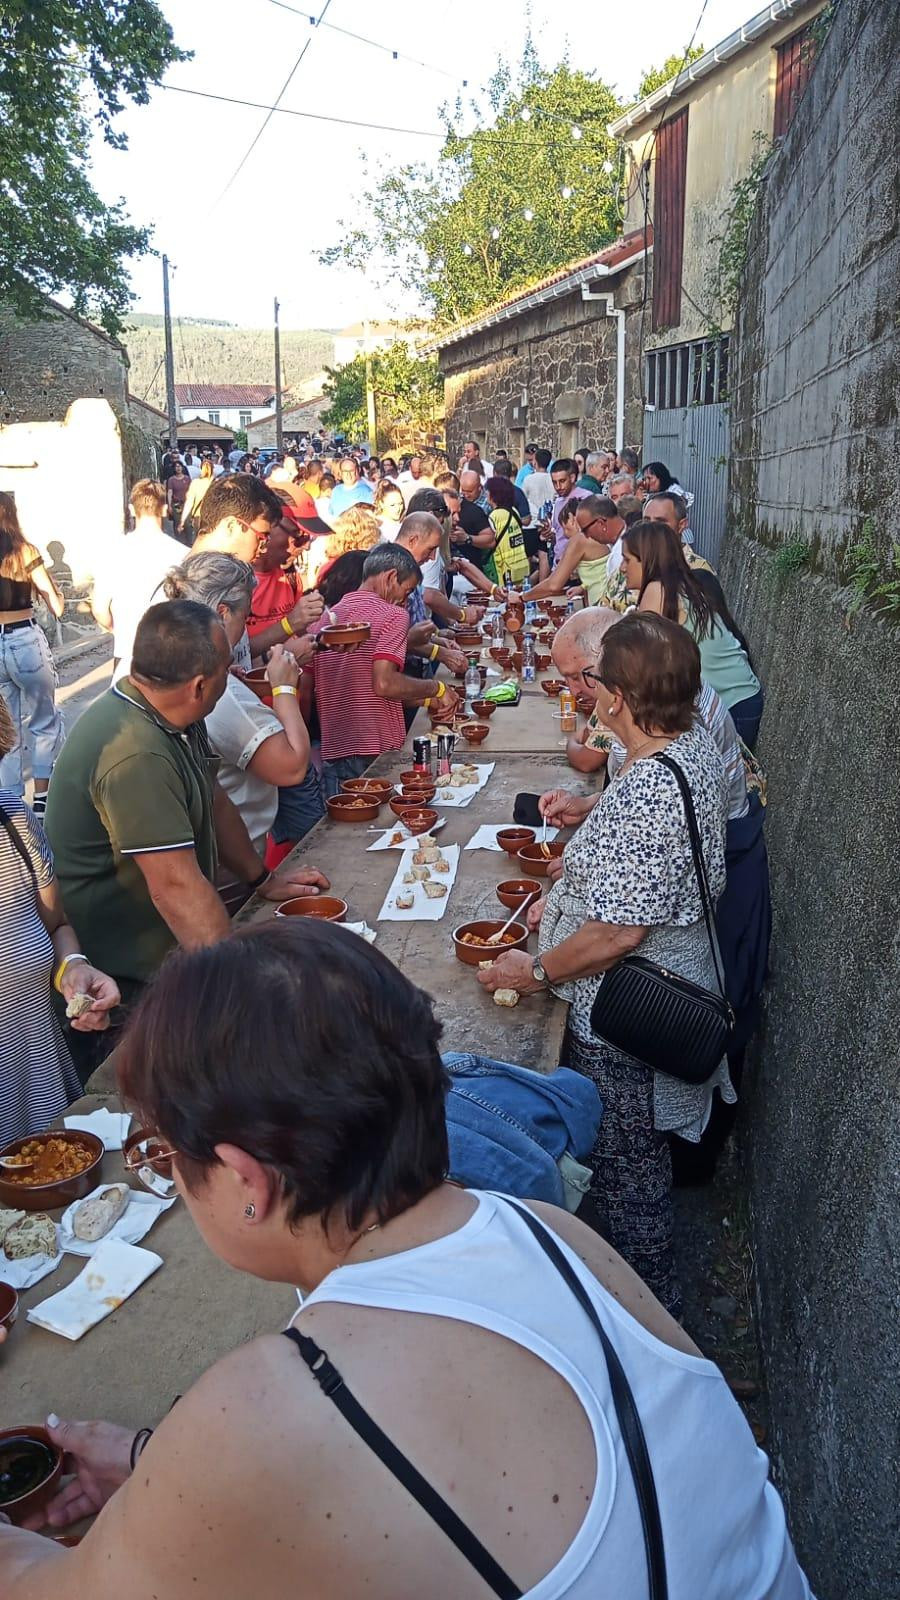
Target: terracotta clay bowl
{"points": [[256, 680], [542, 660], [474, 732], [314, 905], [419, 821], [500, 654], [516, 660], [9, 1305], [483, 709], [513, 892], [417, 795], [411, 779], [49, 1196], [533, 863], [552, 686], [512, 840], [343, 633], [379, 789], [472, 954], [346, 808], [16, 1443], [468, 638]]}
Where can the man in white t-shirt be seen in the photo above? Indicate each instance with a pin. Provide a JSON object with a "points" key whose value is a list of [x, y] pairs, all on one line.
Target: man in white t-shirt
{"points": [[538, 487], [132, 578]]}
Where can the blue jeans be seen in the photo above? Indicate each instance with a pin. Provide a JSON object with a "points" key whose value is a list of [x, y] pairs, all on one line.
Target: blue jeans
{"points": [[28, 685], [300, 807], [334, 772], [746, 716]]}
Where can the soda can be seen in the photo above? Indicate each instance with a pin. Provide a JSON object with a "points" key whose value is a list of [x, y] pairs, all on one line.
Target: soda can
{"points": [[445, 744], [422, 755]]}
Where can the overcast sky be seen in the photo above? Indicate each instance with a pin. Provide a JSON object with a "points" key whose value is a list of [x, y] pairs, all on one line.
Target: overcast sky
{"points": [[262, 238]]}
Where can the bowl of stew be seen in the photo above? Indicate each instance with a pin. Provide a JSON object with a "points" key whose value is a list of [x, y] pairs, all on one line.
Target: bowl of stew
{"points": [[30, 1469], [66, 1166], [471, 941]]}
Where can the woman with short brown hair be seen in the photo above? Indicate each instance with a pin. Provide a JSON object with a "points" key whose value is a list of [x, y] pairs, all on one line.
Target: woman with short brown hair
{"points": [[628, 885]]}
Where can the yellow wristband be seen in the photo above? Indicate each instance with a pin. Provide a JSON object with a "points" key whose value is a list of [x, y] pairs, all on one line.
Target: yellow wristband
{"points": [[441, 691], [435, 652], [60, 971], [462, 614], [287, 627], [284, 688]]}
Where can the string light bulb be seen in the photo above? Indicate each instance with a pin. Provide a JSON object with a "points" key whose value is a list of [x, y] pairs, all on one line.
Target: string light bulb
{"points": [[467, 249], [576, 133], [528, 214], [566, 192], [495, 233], [525, 114], [608, 167]]}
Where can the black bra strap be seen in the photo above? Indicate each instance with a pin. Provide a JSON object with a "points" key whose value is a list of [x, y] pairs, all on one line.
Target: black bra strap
{"points": [[332, 1384]]}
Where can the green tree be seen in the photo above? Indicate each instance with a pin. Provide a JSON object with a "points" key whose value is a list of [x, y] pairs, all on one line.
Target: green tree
{"points": [[407, 394], [655, 77], [543, 190], [66, 65]]}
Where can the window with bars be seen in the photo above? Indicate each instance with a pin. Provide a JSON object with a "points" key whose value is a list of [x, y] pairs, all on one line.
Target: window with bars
{"points": [[693, 374], [794, 60]]}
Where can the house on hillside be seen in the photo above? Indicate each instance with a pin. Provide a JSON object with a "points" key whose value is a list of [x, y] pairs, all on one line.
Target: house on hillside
{"points": [[225, 405], [364, 338], [551, 362], [686, 146], [303, 417], [620, 348]]}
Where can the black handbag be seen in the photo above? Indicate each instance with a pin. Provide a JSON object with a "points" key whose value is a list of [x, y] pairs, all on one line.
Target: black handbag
{"points": [[661, 1019]]}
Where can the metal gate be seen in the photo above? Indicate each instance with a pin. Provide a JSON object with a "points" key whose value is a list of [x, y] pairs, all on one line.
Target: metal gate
{"points": [[693, 441]]}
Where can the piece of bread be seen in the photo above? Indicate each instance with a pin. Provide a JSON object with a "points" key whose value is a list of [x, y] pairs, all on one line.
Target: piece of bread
{"points": [[78, 1004], [35, 1235], [7, 1218], [93, 1218], [405, 900], [435, 891], [506, 997]]}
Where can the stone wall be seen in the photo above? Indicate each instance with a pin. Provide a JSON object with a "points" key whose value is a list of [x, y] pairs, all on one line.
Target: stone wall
{"points": [[816, 446], [45, 366], [548, 375]]}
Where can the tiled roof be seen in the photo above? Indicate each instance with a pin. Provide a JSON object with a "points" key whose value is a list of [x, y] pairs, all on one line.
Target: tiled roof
{"points": [[611, 259], [223, 394]]}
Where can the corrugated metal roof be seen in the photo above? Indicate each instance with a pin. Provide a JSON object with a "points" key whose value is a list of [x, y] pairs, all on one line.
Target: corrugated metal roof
{"points": [[223, 394], [604, 263]]}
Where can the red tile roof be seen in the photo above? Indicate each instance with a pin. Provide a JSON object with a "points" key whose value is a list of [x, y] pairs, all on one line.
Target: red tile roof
{"points": [[223, 394]]}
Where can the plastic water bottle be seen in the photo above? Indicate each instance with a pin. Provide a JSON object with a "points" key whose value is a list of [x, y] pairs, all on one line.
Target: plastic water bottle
{"points": [[498, 628], [472, 682], [527, 658], [530, 607], [570, 606]]}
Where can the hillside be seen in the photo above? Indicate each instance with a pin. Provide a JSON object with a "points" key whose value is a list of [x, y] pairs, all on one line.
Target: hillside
{"points": [[214, 352]]}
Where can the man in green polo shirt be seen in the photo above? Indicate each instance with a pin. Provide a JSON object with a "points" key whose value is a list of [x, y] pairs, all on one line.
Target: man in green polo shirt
{"points": [[137, 820]]}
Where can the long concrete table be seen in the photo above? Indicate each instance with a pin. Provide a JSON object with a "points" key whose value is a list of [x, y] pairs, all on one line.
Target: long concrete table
{"points": [[195, 1309], [531, 726]]}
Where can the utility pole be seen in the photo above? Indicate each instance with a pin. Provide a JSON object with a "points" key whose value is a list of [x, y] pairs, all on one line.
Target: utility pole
{"points": [[170, 360], [279, 430], [371, 420]]}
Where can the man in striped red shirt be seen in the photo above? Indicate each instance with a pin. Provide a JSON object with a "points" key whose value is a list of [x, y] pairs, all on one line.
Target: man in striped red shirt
{"points": [[361, 693]]}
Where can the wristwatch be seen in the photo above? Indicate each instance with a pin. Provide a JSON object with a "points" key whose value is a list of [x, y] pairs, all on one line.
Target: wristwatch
{"points": [[538, 973]]}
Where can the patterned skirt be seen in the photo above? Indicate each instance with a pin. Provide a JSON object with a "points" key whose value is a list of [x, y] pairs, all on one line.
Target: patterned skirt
{"points": [[631, 1166]]}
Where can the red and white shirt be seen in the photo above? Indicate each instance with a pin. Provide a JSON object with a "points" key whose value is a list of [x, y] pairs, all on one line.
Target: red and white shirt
{"points": [[355, 721]]}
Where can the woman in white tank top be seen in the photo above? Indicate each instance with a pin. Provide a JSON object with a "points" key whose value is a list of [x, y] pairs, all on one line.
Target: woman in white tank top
{"points": [[461, 1422]]}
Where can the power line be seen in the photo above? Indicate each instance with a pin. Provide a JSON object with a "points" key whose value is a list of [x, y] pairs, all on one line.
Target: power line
{"points": [[270, 112], [375, 44], [286, 111]]}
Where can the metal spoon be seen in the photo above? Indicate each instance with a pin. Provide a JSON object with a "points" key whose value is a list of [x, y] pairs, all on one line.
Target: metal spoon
{"points": [[516, 912], [545, 848], [15, 1164]]}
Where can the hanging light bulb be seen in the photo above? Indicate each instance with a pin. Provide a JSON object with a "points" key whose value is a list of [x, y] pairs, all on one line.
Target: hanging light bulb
{"points": [[525, 114], [528, 214], [467, 250], [566, 192], [495, 233], [608, 167], [576, 133]]}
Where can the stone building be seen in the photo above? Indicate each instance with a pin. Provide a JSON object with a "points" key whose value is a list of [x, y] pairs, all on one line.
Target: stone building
{"points": [[550, 364], [303, 418], [45, 366]]}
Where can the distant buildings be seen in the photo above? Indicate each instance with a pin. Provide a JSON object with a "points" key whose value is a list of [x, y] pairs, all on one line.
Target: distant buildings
{"points": [[225, 405], [364, 338]]}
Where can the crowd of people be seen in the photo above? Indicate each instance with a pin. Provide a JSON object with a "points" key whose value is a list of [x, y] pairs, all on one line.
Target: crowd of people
{"points": [[181, 790]]}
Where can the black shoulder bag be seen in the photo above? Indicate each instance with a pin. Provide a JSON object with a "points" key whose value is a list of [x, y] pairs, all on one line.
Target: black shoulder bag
{"points": [[656, 1016]]}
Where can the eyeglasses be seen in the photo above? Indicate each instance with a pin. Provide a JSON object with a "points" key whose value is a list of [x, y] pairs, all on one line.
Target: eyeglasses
{"points": [[149, 1159], [591, 677], [587, 526]]}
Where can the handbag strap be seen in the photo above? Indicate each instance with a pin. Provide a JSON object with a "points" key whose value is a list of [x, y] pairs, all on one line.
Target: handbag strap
{"points": [[15, 839], [626, 1411], [699, 867]]}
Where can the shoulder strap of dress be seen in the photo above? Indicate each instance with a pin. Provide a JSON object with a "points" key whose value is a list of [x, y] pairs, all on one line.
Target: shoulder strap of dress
{"points": [[17, 842], [334, 1388]]}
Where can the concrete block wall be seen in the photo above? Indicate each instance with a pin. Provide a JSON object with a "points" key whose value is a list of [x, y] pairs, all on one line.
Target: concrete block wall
{"points": [[816, 446]]}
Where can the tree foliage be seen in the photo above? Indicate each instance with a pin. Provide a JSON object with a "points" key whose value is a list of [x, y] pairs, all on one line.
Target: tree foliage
{"points": [[433, 226], [216, 353], [65, 66], [407, 395], [655, 77]]}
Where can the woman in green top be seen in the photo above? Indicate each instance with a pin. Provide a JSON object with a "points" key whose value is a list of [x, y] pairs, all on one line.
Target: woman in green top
{"points": [[654, 566]]}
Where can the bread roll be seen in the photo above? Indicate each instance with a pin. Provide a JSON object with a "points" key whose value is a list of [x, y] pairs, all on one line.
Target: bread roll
{"points": [[93, 1218], [506, 997], [35, 1235], [7, 1218]]}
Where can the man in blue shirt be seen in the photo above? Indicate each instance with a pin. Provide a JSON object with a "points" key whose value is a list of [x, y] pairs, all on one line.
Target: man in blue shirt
{"points": [[527, 466], [351, 489]]}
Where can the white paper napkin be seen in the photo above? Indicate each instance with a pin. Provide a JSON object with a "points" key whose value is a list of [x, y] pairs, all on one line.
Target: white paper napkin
{"points": [[485, 837], [31, 1269], [137, 1219], [422, 909], [362, 928], [110, 1126], [112, 1274], [385, 841], [461, 797]]}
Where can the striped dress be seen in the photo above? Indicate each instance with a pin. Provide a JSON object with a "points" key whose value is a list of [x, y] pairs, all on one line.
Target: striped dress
{"points": [[37, 1078]]}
